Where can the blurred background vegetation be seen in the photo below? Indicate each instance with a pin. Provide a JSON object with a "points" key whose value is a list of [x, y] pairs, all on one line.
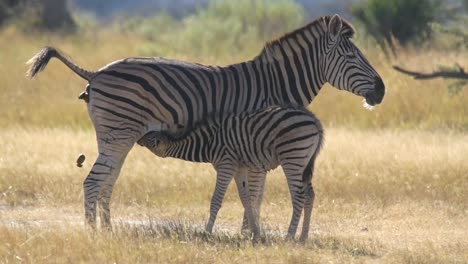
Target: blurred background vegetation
{"points": [[417, 34]]}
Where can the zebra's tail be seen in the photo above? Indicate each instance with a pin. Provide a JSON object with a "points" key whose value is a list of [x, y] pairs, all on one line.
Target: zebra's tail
{"points": [[40, 60], [309, 169]]}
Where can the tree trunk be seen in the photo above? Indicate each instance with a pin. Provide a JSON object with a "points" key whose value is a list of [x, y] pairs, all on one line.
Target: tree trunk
{"points": [[51, 14], [55, 15]]}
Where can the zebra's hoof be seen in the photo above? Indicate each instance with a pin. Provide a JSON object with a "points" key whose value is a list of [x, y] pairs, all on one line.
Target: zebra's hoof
{"points": [[79, 161]]}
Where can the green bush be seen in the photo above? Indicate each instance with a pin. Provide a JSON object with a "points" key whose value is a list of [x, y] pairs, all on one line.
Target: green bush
{"points": [[223, 27], [30, 15]]}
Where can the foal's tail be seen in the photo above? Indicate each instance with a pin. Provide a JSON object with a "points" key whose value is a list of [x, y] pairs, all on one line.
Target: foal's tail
{"points": [[309, 169]]}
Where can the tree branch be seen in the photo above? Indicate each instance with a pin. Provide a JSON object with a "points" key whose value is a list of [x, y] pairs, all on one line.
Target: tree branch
{"points": [[460, 74]]}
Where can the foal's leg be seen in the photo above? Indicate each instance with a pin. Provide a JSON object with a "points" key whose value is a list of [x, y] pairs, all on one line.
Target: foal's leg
{"points": [[225, 173], [256, 189], [309, 203], [242, 182], [296, 189]]}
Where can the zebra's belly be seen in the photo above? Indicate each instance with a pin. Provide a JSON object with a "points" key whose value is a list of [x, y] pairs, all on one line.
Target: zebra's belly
{"points": [[260, 167], [265, 162]]}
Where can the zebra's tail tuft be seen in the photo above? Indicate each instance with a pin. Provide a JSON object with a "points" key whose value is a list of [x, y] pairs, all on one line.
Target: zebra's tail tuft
{"points": [[40, 60]]}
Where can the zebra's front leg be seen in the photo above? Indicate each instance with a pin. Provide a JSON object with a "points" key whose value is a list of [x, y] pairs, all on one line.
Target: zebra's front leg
{"points": [[99, 183], [256, 181], [242, 182], [225, 173]]}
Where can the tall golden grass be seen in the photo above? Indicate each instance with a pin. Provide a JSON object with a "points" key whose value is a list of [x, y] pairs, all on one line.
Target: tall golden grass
{"points": [[385, 166], [51, 99]]}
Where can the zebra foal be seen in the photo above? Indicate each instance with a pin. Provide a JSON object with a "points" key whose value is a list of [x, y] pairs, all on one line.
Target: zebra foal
{"points": [[252, 142]]}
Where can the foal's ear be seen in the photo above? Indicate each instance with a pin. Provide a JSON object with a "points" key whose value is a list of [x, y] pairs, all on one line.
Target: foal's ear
{"points": [[157, 141], [334, 27]]}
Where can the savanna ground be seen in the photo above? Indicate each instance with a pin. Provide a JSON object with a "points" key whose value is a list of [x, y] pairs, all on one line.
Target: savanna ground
{"points": [[391, 184]]}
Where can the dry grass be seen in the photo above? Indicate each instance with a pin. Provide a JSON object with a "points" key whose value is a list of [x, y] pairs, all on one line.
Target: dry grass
{"points": [[386, 196]]}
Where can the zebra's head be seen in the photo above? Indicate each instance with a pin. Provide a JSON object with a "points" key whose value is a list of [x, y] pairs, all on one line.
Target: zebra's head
{"points": [[155, 142], [345, 67]]}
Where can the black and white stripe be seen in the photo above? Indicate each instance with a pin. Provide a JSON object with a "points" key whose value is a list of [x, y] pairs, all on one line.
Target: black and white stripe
{"points": [[130, 97], [244, 147]]}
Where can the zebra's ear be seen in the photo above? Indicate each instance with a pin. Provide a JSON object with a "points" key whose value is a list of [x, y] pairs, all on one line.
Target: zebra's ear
{"points": [[334, 27]]}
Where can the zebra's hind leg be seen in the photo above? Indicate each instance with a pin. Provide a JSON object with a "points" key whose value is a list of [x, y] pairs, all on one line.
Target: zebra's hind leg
{"points": [[308, 205], [225, 173], [296, 189], [99, 183], [242, 182], [105, 196]]}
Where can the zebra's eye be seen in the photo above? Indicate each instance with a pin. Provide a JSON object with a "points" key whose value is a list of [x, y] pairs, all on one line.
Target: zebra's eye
{"points": [[350, 55]]}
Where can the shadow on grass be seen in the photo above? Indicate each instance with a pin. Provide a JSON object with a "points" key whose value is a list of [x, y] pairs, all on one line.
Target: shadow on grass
{"points": [[187, 232], [349, 245]]}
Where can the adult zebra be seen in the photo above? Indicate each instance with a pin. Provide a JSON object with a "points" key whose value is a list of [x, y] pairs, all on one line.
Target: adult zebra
{"points": [[133, 96], [244, 147]]}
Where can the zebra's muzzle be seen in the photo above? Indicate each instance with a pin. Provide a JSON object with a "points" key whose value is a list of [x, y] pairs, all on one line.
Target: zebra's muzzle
{"points": [[376, 96]]}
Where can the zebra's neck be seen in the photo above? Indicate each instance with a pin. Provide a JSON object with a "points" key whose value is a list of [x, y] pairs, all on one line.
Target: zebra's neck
{"points": [[194, 145], [286, 72]]}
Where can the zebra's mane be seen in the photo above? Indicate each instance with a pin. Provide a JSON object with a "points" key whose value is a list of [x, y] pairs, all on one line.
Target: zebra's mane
{"points": [[320, 25]]}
